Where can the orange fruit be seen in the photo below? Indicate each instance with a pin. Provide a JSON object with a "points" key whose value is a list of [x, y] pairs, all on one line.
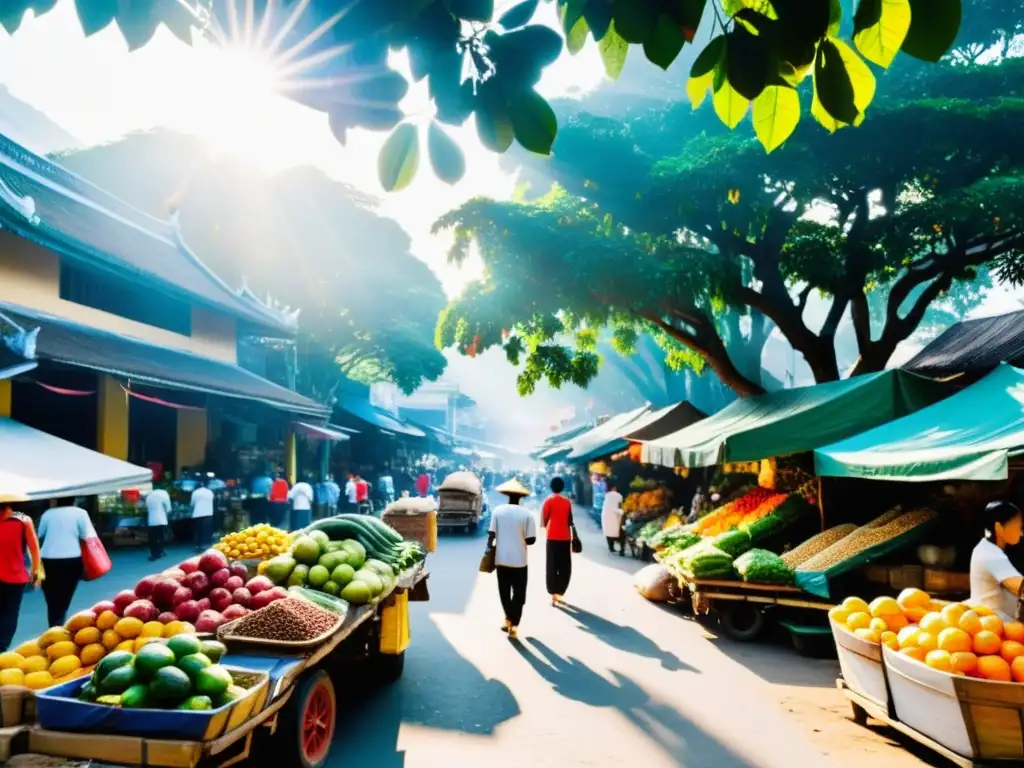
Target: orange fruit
{"points": [[987, 643], [1014, 630], [839, 614], [994, 668], [855, 605], [896, 621], [890, 639], [884, 606], [915, 653], [939, 660], [858, 620], [927, 641], [913, 598], [1017, 669], [933, 623], [970, 623], [951, 613], [993, 624], [914, 615], [965, 661], [983, 610], [878, 625], [868, 634], [907, 637], [952, 639], [1010, 650]]}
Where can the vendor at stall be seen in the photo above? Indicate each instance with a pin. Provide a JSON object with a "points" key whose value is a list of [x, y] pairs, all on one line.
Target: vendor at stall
{"points": [[995, 582]]}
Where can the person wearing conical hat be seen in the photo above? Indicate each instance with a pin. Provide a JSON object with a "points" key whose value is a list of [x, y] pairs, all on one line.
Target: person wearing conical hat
{"points": [[512, 530]]}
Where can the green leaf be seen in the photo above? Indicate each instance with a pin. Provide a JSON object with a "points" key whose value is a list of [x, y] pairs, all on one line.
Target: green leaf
{"points": [[138, 24], [570, 11], [399, 158], [519, 15], [522, 54], [493, 122], [775, 115], [835, 18], [832, 83], [598, 14], [613, 52], [862, 81], [729, 105], [664, 45], [577, 36], [747, 62], [635, 20], [879, 40], [446, 157], [697, 88], [533, 121], [471, 10], [708, 59], [933, 28], [95, 15]]}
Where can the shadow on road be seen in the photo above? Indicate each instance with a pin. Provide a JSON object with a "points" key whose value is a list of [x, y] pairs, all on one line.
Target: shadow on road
{"points": [[682, 740], [627, 639]]}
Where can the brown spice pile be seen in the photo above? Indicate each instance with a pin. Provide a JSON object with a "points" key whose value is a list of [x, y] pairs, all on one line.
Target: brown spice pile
{"points": [[288, 619]]}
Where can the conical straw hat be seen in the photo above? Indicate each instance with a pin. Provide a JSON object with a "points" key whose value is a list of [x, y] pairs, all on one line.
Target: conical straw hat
{"points": [[513, 488]]}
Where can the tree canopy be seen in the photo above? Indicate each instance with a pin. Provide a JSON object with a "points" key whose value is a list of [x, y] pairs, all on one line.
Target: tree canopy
{"points": [[368, 306], [332, 55], [712, 239]]}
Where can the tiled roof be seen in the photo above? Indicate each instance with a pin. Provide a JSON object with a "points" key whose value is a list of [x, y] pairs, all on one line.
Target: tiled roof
{"points": [[67, 342], [44, 202]]}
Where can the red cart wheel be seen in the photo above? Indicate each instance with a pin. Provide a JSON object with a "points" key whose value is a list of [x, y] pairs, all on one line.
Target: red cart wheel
{"points": [[310, 724]]}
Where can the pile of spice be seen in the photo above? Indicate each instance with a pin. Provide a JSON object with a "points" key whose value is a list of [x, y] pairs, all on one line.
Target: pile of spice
{"points": [[289, 620]]}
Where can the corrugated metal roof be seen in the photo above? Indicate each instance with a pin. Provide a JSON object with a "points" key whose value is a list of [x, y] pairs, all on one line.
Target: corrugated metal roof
{"points": [[44, 202], [64, 341], [973, 346]]}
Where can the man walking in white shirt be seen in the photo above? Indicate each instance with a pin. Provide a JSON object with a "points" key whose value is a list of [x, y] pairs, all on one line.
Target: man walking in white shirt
{"points": [[301, 497], [202, 517], [158, 507], [513, 529]]}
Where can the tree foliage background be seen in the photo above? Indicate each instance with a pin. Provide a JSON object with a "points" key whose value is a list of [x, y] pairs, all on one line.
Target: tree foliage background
{"points": [[368, 306]]}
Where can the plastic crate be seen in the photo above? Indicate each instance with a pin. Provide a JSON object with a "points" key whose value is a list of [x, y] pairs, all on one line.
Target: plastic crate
{"points": [[58, 709]]}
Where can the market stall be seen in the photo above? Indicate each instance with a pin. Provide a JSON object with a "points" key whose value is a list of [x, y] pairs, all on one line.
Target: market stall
{"points": [[199, 661]]}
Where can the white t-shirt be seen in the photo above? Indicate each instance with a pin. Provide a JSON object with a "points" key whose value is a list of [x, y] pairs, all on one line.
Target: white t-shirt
{"points": [[512, 525], [202, 503], [158, 505], [611, 514], [301, 496], [990, 567], [350, 491], [61, 530]]}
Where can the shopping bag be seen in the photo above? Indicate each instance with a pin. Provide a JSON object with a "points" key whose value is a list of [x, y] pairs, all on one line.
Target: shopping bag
{"points": [[95, 560], [487, 562]]}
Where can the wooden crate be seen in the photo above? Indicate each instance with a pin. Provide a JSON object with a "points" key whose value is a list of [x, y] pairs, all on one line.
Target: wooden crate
{"points": [[416, 526], [861, 665]]}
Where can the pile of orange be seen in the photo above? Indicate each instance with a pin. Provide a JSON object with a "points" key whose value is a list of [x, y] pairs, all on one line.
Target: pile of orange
{"points": [[958, 638]]}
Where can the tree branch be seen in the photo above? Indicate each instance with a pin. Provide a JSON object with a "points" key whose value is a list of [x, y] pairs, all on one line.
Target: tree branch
{"points": [[860, 313]]}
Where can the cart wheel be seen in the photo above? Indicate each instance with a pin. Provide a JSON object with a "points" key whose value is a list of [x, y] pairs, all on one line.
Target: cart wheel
{"points": [[742, 622], [389, 667], [307, 728], [860, 715]]}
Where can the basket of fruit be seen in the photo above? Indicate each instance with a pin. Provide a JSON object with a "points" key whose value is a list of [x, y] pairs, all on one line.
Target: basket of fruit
{"points": [[294, 624], [169, 689]]}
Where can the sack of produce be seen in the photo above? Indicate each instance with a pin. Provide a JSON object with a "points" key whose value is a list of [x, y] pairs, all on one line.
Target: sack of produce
{"points": [[733, 543], [816, 544], [707, 561], [763, 567], [653, 581]]}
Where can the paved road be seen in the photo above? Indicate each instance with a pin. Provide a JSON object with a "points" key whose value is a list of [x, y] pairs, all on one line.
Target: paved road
{"points": [[611, 680]]}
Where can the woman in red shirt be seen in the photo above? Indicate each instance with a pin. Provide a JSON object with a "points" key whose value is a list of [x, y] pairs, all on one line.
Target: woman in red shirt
{"points": [[17, 539], [556, 517]]}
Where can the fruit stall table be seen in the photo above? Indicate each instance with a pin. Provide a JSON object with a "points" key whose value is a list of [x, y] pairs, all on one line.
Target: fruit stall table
{"points": [[299, 711]]}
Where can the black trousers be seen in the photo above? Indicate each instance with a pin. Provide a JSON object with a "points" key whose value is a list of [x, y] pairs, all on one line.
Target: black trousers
{"points": [[157, 536], [559, 566], [202, 529], [512, 590], [10, 607], [613, 540], [62, 577], [277, 514]]}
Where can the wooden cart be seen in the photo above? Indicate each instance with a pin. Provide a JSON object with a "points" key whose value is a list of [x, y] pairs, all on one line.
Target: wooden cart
{"points": [[300, 711]]}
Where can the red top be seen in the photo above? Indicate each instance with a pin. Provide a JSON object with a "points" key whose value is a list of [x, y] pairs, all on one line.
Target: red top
{"points": [[279, 490], [362, 491], [556, 515], [17, 534], [423, 484]]}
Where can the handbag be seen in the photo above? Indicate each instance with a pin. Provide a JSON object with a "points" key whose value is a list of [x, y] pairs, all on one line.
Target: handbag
{"points": [[95, 560], [487, 562], [577, 545]]}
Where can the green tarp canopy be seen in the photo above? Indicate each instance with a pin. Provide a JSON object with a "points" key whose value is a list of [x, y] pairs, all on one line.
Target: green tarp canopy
{"points": [[794, 420], [968, 436], [604, 438]]}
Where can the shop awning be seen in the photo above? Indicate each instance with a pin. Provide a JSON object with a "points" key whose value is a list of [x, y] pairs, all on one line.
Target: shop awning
{"points": [[36, 465], [973, 346], [377, 417], [794, 420], [67, 342], [968, 436], [604, 438], [663, 421], [319, 432]]}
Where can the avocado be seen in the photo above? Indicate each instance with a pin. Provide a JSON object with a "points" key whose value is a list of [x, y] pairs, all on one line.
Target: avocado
{"points": [[150, 658], [135, 697], [112, 661], [192, 663], [184, 645], [214, 650], [170, 684], [118, 681], [213, 680]]}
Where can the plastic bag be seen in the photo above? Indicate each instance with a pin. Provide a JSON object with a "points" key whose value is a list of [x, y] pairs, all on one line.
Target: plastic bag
{"points": [[763, 567], [653, 581]]}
